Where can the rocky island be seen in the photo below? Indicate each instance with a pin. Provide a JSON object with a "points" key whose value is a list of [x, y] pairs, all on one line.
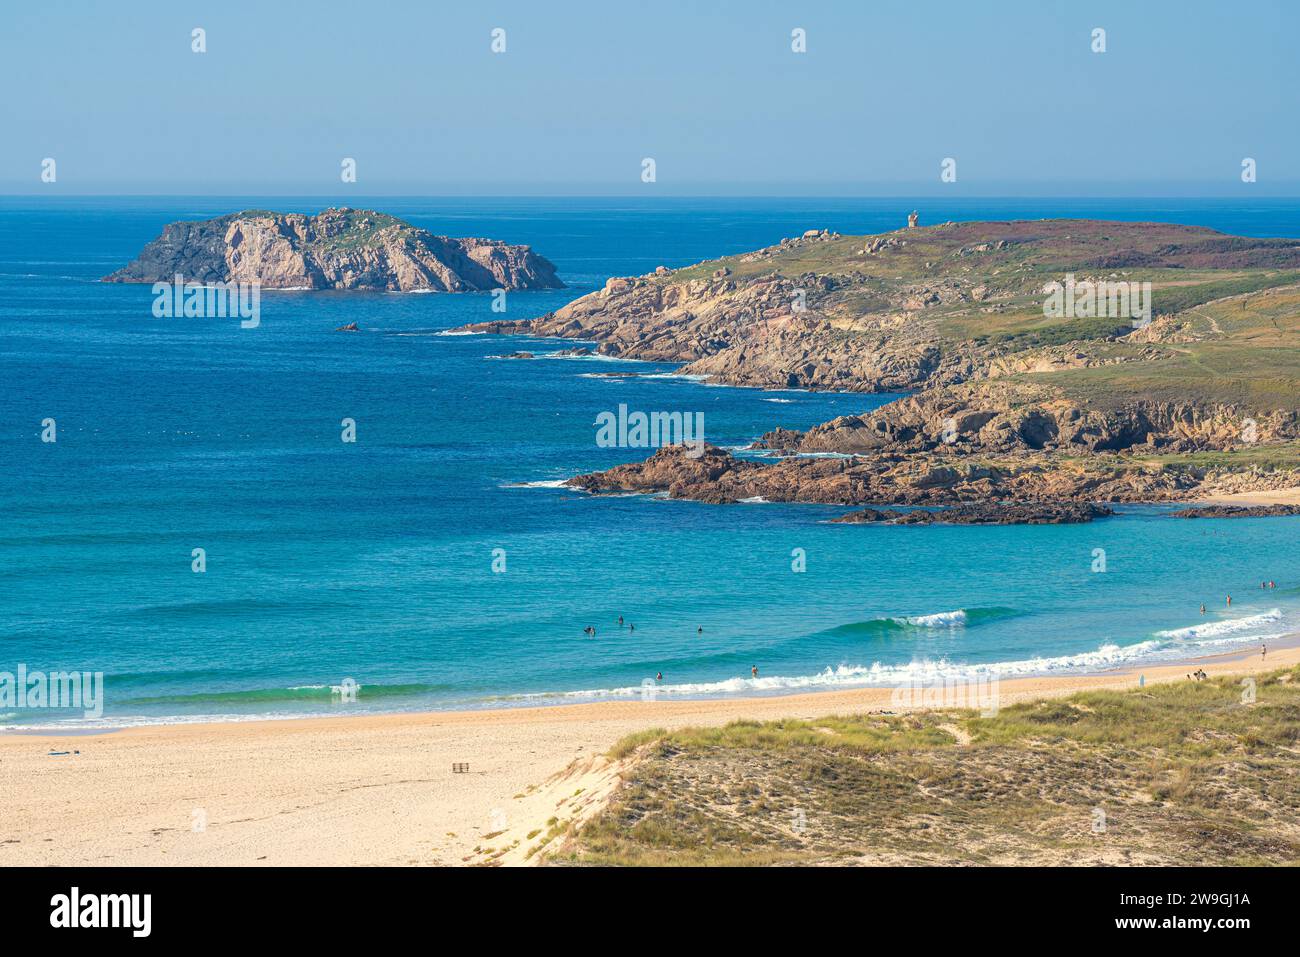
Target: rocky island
{"points": [[336, 249], [1050, 361]]}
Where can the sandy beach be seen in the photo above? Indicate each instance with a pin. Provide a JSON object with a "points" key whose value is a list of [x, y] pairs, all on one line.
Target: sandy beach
{"points": [[380, 789], [1280, 496]]}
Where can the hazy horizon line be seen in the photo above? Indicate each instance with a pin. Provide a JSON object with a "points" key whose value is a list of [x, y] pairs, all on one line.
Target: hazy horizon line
{"points": [[1071, 192]]}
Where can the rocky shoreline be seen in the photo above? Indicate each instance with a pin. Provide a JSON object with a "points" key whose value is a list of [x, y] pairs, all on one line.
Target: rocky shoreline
{"points": [[1237, 511], [1004, 403]]}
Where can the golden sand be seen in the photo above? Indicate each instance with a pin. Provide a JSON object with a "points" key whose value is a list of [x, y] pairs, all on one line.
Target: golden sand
{"points": [[380, 789]]}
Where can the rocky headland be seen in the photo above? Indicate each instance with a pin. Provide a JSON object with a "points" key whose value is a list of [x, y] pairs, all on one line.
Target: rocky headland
{"points": [[336, 249], [1196, 395]]}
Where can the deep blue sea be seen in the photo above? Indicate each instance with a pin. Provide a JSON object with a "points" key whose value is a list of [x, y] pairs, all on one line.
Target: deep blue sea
{"points": [[374, 560]]}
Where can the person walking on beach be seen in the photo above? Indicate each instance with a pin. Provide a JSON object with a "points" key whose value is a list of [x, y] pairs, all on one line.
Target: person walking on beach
{"points": [[1263, 651]]}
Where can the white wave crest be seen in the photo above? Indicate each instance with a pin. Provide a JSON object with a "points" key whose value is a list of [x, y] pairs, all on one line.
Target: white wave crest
{"points": [[1227, 626], [942, 619]]}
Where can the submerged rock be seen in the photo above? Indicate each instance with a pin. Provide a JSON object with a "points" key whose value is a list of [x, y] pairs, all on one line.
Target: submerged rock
{"points": [[986, 513]]}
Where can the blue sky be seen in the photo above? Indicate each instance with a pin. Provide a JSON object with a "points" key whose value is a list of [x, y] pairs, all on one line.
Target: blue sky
{"points": [[711, 91]]}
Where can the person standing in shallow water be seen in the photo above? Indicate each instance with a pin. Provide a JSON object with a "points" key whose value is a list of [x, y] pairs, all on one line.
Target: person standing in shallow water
{"points": [[1202, 608], [753, 670]]}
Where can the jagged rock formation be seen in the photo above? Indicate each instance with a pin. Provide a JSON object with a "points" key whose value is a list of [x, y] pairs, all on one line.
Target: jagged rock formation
{"points": [[337, 249], [895, 479]]}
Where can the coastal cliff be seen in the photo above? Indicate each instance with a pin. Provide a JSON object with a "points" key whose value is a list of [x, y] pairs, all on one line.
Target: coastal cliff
{"points": [[1168, 369], [336, 249]]}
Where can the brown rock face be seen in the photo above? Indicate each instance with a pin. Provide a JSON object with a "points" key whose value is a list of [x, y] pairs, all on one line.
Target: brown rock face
{"points": [[997, 416], [736, 332], [920, 478], [337, 249]]}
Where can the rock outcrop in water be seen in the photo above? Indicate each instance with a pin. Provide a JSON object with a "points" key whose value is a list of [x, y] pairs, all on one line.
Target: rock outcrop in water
{"points": [[337, 249], [892, 478], [1237, 511], [985, 513]]}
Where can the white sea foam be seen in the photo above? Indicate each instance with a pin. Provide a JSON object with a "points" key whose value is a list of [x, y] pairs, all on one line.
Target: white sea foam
{"points": [[941, 619], [753, 500], [543, 483], [782, 401], [924, 671], [593, 357], [1226, 626], [1163, 646]]}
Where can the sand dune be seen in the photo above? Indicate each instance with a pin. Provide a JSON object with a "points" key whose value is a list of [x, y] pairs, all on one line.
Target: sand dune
{"points": [[379, 789]]}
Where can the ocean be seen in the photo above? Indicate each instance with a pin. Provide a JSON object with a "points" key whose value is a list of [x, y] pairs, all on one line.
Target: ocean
{"points": [[433, 561]]}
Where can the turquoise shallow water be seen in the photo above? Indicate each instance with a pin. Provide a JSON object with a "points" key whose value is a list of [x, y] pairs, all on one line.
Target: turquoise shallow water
{"points": [[374, 561]]}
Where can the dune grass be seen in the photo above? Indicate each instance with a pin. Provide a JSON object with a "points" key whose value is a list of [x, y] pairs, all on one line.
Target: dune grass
{"points": [[1182, 773]]}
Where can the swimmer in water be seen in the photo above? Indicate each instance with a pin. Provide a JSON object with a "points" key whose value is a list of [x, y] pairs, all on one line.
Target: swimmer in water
{"points": [[699, 631], [1202, 608], [1229, 601], [659, 676], [631, 627], [620, 621], [754, 670]]}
